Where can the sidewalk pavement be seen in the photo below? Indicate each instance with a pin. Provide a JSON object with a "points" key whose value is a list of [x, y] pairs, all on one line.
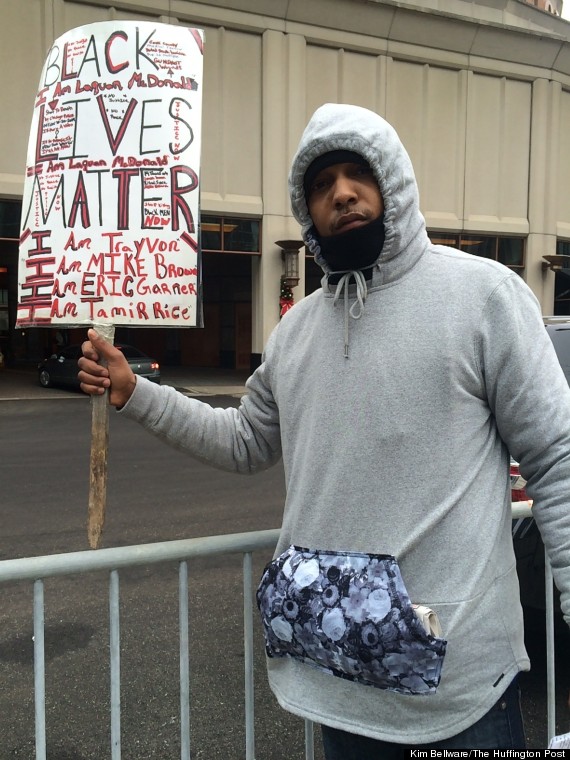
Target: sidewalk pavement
{"points": [[196, 381], [22, 383]]}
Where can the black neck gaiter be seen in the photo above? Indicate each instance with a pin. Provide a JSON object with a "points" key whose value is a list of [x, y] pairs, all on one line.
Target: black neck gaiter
{"points": [[358, 248]]}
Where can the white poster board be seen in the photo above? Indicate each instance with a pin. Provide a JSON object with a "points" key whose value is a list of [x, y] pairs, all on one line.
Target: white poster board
{"points": [[110, 214]]}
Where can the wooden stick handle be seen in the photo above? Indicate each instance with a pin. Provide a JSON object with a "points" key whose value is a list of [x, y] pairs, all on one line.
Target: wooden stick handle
{"points": [[99, 449]]}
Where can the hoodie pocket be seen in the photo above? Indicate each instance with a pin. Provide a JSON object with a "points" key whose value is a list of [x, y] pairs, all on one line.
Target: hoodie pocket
{"points": [[348, 614]]}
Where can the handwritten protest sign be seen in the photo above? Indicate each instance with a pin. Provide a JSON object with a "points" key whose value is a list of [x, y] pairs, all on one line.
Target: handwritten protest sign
{"points": [[110, 212]]}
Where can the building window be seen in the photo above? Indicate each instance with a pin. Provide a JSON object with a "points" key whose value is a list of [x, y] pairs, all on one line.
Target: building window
{"points": [[10, 212], [3, 301], [508, 250], [227, 234], [562, 281]]}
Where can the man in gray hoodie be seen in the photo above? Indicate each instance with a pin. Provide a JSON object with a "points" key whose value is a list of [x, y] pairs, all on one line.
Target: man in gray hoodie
{"points": [[394, 395]]}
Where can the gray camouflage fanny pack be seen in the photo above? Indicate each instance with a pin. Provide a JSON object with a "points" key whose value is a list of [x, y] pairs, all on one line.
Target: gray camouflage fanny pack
{"points": [[348, 614]]}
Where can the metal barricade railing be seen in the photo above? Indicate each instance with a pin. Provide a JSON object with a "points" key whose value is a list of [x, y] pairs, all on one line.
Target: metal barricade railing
{"points": [[36, 569]]}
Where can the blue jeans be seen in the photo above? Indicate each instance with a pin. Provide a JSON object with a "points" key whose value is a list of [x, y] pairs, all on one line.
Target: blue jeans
{"points": [[500, 728]]}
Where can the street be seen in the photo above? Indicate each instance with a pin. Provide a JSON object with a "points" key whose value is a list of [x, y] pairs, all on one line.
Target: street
{"points": [[154, 494]]}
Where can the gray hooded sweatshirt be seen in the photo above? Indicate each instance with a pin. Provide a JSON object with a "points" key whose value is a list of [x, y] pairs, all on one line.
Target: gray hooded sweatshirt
{"points": [[399, 451]]}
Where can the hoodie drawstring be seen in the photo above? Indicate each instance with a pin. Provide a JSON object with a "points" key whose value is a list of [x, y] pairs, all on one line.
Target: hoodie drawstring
{"points": [[355, 311]]}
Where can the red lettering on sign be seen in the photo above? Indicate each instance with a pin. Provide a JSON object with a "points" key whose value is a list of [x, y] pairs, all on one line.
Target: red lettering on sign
{"points": [[39, 155], [124, 177], [115, 141], [178, 203], [114, 69], [80, 202]]}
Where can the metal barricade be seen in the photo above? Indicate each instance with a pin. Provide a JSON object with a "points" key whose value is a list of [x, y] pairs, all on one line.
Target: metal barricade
{"points": [[36, 569]]}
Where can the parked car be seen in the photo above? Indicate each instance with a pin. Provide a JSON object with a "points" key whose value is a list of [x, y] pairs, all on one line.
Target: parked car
{"points": [[528, 545], [558, 329], [61, 368]]}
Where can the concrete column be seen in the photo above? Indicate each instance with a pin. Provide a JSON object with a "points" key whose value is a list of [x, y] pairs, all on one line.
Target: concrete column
{"points": [[542, 189], [283, 118]]}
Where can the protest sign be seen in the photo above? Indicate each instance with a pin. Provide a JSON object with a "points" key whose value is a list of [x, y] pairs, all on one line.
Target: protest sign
{"points": [[110, 213]]}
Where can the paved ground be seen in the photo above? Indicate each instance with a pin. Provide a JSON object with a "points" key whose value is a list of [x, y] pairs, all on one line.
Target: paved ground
{"points": [[154, 494], [22, 383]]}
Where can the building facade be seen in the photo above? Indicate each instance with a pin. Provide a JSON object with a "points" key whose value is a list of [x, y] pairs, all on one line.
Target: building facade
{"points": [[478, 91], [550, 6]]}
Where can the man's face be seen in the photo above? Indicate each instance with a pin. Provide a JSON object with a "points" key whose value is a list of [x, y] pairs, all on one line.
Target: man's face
{"points": [[342, 197]]}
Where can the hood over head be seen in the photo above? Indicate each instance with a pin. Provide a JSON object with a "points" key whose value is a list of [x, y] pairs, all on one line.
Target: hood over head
{"points": [[338, 127]]}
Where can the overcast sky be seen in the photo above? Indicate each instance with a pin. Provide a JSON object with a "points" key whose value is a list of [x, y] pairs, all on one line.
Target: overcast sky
{"points": [[566, 10]]}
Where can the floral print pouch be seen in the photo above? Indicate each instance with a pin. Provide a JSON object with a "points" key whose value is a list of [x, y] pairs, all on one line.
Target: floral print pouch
{"points": [[350, 615]]}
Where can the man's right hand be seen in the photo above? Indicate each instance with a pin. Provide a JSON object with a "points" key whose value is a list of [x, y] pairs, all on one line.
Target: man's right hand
{"points": [[95, 378]]}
